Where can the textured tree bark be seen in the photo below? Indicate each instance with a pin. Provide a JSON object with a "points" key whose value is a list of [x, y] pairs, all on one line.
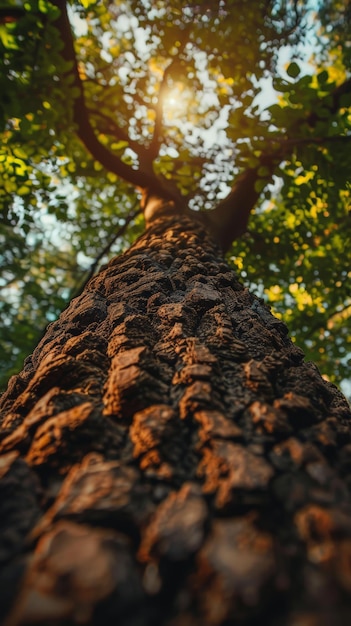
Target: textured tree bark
{"points": [[168, 458]]}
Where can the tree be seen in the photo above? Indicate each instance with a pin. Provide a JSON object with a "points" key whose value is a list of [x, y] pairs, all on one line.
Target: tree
{"points": [[188, 82], [168, 456]]}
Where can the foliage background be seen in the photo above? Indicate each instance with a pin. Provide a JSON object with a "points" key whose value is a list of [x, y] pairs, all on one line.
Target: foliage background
{"points": [[202, 91]]}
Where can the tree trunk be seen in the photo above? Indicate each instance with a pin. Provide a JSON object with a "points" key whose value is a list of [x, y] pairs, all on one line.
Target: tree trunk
{"points": [[169, 459]]}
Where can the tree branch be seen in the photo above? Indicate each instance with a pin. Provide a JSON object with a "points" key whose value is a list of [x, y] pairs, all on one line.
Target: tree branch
{"points": [[319, 141], [332, 101], [230, 217], [335, 314], [155, 141], [138, 178], [120, 134]]}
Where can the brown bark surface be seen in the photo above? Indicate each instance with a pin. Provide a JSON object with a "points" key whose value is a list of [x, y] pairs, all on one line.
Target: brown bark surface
{"points": [[168, 457]]}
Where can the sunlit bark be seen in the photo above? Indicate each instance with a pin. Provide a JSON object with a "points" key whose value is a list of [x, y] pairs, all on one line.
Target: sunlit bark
{"points": [[169, 458]]}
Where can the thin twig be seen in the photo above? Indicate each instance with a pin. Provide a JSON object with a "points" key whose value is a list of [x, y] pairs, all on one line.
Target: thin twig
{"points": [[116, 131], [156, 138], [105, 251]]}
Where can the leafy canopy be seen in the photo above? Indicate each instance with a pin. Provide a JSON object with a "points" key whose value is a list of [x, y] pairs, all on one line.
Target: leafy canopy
{"points": [[188, 95]]}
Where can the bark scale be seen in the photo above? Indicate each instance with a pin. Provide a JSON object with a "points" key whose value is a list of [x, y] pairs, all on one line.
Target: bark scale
{"points": [[169, 459]]}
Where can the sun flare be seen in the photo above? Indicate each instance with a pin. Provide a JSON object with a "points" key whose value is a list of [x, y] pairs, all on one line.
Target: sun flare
{"points": [[176, 102]]}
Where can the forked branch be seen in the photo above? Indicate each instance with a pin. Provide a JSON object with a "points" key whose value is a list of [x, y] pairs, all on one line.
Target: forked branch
{"points": [[108, 126], [230, 217], [144, 178]]}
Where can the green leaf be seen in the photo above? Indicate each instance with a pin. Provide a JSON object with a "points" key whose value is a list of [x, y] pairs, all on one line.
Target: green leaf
{"points": [[293, 70], [23, 190], [323, 77], [7, 38], [117, 146], [49, 9], [87, 4]]}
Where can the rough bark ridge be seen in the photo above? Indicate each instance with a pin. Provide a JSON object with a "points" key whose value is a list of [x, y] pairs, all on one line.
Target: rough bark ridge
{"points": [[168, 457]]}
